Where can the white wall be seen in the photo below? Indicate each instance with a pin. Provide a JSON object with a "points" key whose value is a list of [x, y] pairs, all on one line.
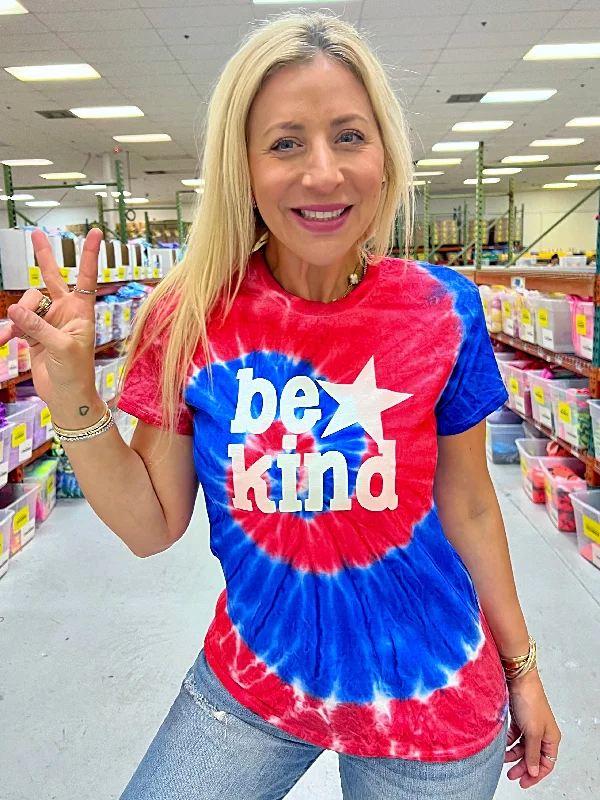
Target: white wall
{"points": [[61, 216], [542, 209]]}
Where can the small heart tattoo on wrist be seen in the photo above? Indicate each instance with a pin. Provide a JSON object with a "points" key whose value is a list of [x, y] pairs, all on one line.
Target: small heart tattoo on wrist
{"points": [[83, 410]]}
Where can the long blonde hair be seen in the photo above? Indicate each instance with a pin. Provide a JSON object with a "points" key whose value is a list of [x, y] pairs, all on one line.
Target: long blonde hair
{"points": [[226, 228]]}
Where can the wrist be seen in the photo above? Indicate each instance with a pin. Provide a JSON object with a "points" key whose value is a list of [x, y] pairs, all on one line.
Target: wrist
{"points": [[78, 412]]}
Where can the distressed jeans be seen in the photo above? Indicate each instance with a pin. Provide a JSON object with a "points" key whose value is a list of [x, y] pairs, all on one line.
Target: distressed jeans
{"points": [[212, 748]]}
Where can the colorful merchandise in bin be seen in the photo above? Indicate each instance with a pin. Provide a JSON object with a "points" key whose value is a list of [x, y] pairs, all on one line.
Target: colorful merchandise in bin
{"points": [[595, 414], [516, 375], [500, 441], [20, 498], [541, 392], [121, 317], [511, 312], [24, 356], [5, 446], [104, 323], [43, 473], [562, 477], [9, 357], [530, 452], [571, 413], [582, 327], [527, 326], [587, 520], [108, 387], [21, 416], [5, 528], [553, 323], [492, 307], [42, 421]]}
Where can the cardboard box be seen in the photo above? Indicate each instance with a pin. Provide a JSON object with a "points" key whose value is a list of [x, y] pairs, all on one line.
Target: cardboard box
{"points": [[18, 262]]}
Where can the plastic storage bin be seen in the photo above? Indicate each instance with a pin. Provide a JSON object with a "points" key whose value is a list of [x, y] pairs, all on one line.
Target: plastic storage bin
{"points": [[42, 422], [571, 413], [595, 415], [492, 308], [9, 357], [5, 528], [511, 304], [501, 442], [518, 385], [587, 519], [104, 323], [20, 498], [553, 324], [527, 327], [108, 386], [121, 321], [582, 327], [530, 452], [43, 473], [5, 446], [541, 397], [559, 490], [21, 416]]}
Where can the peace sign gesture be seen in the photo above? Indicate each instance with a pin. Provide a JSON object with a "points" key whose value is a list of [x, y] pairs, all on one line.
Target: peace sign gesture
{"points": [[63, 343]]}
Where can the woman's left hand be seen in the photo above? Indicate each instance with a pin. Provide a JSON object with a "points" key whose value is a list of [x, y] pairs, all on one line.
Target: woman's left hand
{"points": [[533, 733]]}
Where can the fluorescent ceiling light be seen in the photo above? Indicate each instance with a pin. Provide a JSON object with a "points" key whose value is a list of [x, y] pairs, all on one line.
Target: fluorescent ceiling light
{"points": [[12, 7], [502, 171], [193, 181], [101, 194], [556, 142], [125, 193], [137, 200], [524, 159], [420, 183], [547, 52], [484, 125], [62, 176], [17, 198], [107, 112], [143, 137], [589, 176], [55, 72], [473, 181], [455, 147], [426, 174], [518, 96], [439, 162], [91, 187], [43, 203], [559, 185], [583, 122], [27, 162]]}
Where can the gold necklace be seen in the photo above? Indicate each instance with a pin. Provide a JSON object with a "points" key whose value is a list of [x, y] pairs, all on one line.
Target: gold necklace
{"points": [[353, 280]]}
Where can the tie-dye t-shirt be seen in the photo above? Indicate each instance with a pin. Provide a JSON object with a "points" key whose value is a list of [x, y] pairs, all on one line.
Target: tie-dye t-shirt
{"points": [[348, 620]]}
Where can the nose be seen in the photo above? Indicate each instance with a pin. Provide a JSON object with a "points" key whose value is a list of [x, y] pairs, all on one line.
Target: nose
{"points": [[322, 174]]}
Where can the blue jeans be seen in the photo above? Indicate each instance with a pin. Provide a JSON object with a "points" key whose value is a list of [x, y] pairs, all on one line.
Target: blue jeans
{"points": [[212, 748]]}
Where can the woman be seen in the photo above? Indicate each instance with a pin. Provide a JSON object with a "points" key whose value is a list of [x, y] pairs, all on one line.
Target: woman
{"points": [[325, 396]]}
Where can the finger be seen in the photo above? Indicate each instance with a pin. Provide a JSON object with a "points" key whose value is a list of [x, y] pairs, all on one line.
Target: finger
{"points": [[30, 300], [527, 781], [514, 733], [533, 745], [35, 327], [88, 265], [50, 271], [515, 754], [517, 772]]}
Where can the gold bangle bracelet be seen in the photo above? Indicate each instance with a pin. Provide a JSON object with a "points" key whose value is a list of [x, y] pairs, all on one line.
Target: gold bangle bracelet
{"points": [[66, 432], [517, 667]]}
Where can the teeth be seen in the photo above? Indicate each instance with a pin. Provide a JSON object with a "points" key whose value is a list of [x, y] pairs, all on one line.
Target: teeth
{"points": [[321, 214]]}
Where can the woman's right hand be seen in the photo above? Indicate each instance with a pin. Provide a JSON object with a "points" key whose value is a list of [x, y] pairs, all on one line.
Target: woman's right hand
{"points": [[63, 343]]}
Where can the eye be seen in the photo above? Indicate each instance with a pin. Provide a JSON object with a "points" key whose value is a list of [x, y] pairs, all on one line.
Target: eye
{"points": [[283, 145], [350, 137]]}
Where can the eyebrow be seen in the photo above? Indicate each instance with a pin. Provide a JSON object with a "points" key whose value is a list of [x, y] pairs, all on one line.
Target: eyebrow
{"points": [[296, 126]]}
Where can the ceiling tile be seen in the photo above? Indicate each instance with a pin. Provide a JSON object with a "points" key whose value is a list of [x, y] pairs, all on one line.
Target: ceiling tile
{"points": [[349, 11], [525, 38], [21, 24], [413, 8], [203, 34], [410, 26], [203, 52], [195, 16], [128, 55], [113, 40], [184, 3], [18, 58], [509, 6], [77, 21], [534, 21], [30, 43], [77, 5], [567, 36], [147, 70], [590, 18], [483, 56]]}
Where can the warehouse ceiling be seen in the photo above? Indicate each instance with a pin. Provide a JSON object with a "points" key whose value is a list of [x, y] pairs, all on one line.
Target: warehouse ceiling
{"points": [[165, 55]]}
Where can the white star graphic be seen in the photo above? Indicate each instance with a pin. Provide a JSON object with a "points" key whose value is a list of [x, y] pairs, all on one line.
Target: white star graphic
{"points": [[361, 402]]}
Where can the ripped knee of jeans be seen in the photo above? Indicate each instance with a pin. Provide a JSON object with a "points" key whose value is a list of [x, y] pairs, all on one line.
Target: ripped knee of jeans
{"points": [[189, 685]]}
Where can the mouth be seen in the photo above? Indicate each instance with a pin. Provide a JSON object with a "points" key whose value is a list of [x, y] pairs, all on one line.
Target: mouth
{"points": [[322, 219]]}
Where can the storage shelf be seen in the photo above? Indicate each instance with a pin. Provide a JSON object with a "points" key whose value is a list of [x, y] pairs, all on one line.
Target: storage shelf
{"points": [[582, 455], [16, 475], [575, 364], [581, 283]]}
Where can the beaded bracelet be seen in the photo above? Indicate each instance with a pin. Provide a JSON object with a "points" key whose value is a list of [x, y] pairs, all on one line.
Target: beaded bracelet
{"points": [[517, 667]]}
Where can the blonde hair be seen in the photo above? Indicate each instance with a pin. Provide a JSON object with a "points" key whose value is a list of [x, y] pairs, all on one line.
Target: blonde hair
{"points": [[226, 228]]}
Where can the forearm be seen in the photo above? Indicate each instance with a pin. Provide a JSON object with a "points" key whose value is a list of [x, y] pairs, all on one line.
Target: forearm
{"points": [[481, 543], [114, 480]]}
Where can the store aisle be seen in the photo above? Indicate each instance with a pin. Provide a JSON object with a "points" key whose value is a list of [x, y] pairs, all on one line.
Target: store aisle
{"points": [[94, 644]]}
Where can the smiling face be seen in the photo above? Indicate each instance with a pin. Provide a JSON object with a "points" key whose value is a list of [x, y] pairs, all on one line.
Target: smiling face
{"points": [[316, 160]]}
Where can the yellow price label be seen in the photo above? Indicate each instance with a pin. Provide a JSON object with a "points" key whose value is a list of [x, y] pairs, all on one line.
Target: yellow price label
{"points": [[45, 418], [65, 273], [156, 272], [564, 413], [581, 324], [21, 519], [19, 435], [136, 273], [591, 528], [121, 273], [106, 276], [543, 317], [107, 318], [523, 466], [4, 351], [506, 305], [50, 484], [486, 306], [110, 380], [127, 314], [548, 488], [526, 316], [538, 393], [514, 385], [35, 276]]}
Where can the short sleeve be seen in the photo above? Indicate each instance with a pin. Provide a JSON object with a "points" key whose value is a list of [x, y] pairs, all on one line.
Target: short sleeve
{"points": [[475, 387], [141, 396]]}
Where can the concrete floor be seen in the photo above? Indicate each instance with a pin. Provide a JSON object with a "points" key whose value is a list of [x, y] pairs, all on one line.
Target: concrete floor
{"points": [[94, 644]]}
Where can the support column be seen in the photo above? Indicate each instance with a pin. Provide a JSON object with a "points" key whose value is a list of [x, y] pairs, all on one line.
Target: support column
{"points": [[121, 202], [101, 222], [180, 226], [511, 218], [9, 191], [426, 224], [479, 208]]}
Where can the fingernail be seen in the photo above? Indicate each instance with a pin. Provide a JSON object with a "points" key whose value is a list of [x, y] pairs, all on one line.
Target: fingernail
{"points": [[534, 771]]}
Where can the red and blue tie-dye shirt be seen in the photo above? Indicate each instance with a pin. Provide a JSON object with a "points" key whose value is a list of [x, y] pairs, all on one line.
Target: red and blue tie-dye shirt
{"points": [[348, 620]]}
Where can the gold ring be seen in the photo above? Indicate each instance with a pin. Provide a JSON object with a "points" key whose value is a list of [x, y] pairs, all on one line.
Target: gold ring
{"points": [[550, 758], [43, 307]]}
